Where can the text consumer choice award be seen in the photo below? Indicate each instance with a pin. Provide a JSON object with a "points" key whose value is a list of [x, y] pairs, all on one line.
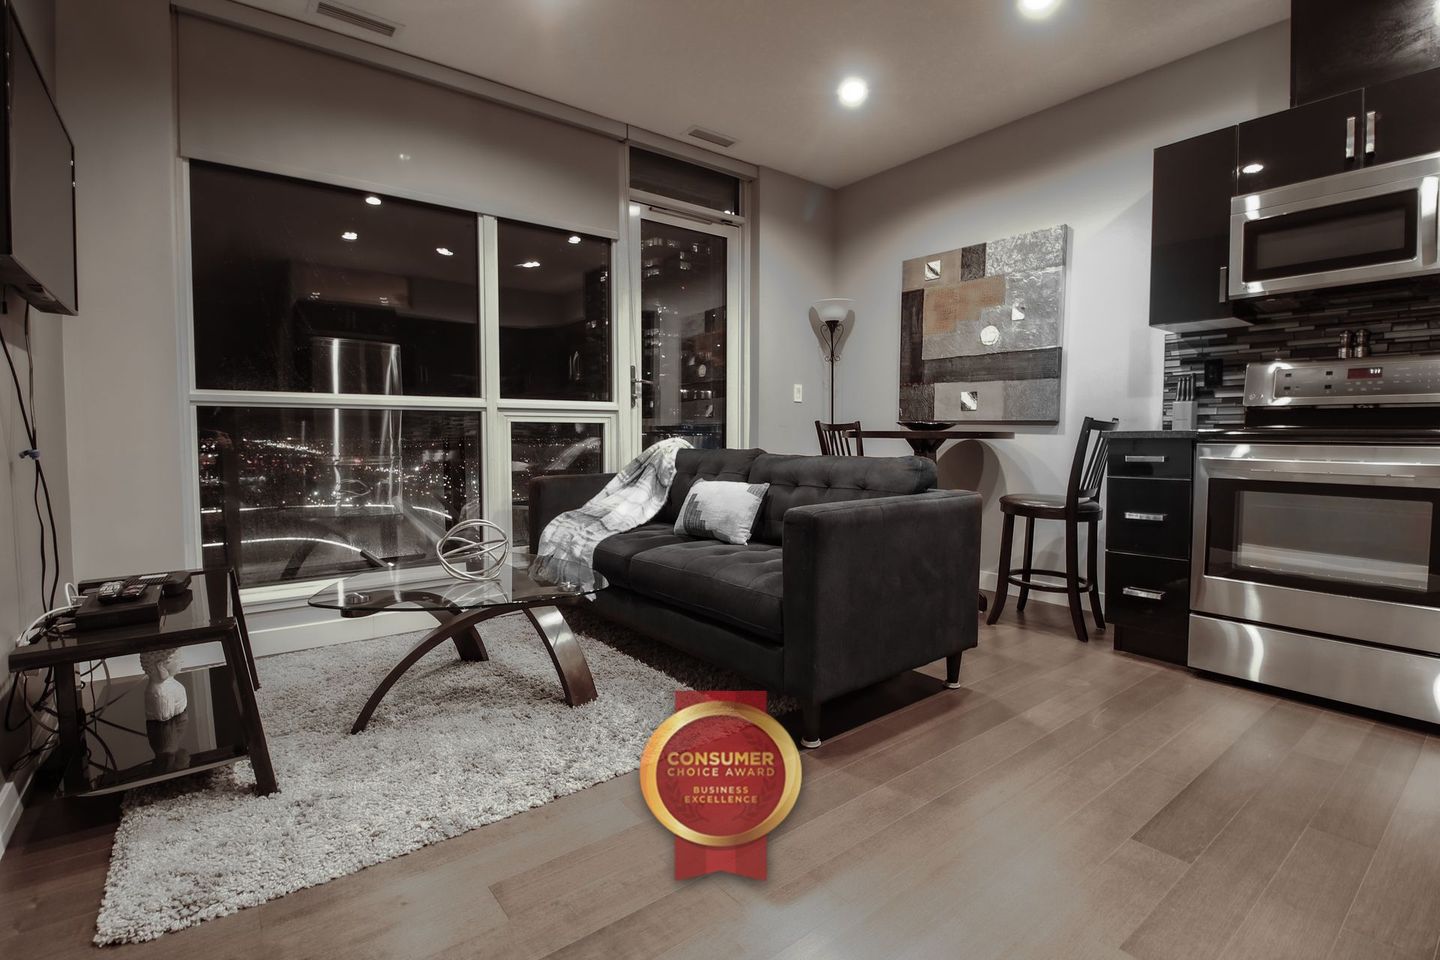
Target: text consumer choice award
{"points": [[720, 774]]}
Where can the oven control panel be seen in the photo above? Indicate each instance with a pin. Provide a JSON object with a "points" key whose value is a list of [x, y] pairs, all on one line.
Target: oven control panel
{"points": [[1372, 380]]}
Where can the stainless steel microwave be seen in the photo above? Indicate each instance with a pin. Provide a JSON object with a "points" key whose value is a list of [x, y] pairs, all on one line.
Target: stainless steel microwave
{"points": [[1363, 226]]}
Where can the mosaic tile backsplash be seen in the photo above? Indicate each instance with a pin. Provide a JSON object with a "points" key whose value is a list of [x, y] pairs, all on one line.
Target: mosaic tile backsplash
{"points": [[1399, 321]]}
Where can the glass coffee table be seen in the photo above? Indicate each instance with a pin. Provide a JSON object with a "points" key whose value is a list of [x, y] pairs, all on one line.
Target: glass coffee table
{"points": [[459, 606]]}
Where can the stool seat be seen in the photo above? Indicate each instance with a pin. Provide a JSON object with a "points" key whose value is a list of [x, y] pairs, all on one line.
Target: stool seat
{"points": [[1046, 506]]}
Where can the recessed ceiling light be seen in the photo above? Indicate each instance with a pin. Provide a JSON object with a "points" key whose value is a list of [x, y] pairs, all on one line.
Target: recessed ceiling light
{"points": [[574, 238], [1037, 9], [445, 251], [373, 200], [852, 91], [349, 235], [1252, 168], [529, 264]]}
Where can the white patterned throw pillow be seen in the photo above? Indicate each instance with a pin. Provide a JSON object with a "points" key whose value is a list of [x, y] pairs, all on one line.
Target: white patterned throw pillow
{"points": [[721, 510]]}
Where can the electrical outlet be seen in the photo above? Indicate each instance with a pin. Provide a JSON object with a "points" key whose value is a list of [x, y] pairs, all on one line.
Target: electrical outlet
{"points": [[799, 393]]}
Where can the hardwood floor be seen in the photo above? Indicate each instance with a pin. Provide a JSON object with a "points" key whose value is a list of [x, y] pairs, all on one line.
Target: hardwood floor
{"points": [[1069, 801]]}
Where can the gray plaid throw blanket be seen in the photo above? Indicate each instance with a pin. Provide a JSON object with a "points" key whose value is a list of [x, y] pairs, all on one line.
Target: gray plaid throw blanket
{"points": [[632, 497]]}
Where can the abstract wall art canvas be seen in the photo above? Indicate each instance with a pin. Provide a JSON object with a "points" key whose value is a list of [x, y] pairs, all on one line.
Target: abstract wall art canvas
{"points": [[980, 331]]}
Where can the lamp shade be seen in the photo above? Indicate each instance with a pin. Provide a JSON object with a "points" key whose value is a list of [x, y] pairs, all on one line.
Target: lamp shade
{"points": [[838, 309]]}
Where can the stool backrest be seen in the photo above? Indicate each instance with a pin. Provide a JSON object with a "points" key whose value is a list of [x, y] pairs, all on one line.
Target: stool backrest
{"points": [[1087, 472], [840, 439]]}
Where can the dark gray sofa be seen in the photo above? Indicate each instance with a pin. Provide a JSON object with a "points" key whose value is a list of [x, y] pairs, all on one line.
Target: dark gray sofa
{"points": [[857, 570]]}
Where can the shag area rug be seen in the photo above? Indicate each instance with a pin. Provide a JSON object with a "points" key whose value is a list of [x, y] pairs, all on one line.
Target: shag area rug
{"points": [[454, 746]]}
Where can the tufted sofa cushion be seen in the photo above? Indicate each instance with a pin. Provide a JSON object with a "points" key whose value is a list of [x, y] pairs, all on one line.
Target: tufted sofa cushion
{"points": [[733, 583], [709, 465], [797, 481], [613, 554]]}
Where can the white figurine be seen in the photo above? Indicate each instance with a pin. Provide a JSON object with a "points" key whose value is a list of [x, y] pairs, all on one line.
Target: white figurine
{"points": [[164, 696]]}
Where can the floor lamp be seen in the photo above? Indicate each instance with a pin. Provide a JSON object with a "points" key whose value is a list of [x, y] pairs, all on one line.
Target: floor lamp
{"points": [[832, 319]]}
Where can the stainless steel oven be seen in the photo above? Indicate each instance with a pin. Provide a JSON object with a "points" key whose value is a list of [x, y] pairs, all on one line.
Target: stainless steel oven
{"points": [[1316, 534], [1334, 539], [1372, 224]]}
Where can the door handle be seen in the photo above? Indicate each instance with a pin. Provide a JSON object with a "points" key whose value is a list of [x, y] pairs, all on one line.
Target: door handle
{"points": [[1140, 593], [1370, 121], [1146, 517], [1144, 458], [636, 383], [1349, 138]]}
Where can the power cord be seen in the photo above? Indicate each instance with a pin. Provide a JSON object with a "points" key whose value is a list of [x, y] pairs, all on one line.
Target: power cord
{"points": [[34, 711]]}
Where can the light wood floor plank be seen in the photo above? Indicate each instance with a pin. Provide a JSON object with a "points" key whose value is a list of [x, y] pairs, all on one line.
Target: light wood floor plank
{"points": [[1198, 916], [1188, 824], [1399, 901]]}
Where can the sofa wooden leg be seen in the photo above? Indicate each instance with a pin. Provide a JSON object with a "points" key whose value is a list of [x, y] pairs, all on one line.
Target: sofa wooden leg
{"points": [[952, 671], [810, 725]]}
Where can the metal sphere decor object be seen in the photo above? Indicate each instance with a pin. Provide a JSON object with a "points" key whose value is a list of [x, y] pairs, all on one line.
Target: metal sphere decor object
{"points": [[473, 550]]}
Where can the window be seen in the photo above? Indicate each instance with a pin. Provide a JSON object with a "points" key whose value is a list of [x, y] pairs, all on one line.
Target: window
{"points": [[554, 314], [667, 177], [300, 493], [346, 411], [545, 449], [311, 288]]}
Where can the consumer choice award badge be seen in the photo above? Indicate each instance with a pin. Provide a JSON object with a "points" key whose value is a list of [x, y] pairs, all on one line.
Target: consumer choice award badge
{"points": [[720, 774]]}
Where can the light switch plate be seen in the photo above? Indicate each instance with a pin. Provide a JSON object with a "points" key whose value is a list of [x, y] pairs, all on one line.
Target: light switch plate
{"points": [[799, 393]]}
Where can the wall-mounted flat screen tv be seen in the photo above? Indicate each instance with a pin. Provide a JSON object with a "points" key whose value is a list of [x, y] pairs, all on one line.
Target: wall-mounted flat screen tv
{"points": [[37, 191]]}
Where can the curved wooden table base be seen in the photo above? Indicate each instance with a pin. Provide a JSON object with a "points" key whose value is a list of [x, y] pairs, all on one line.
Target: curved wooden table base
{"points": [[460, 627]]}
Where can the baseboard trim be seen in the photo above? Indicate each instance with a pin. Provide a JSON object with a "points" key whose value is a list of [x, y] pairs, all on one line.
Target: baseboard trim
{"points": [[12, 805]]}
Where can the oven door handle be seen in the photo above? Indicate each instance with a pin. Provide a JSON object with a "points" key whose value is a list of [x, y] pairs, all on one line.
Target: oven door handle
{"points": [[1321, 470]]}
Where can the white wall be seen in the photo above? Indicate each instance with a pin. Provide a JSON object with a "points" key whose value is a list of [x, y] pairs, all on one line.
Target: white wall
{"points": [[1086, 163], [127, 428], [794, 267]]}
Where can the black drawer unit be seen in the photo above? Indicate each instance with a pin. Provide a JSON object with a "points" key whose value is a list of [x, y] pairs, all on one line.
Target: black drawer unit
{"points": [[1151, 458], [1148, 593], [1147, 544], [1149, 517]]}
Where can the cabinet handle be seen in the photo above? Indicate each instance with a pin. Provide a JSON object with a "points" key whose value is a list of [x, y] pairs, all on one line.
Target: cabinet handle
{"points": [[1349, 138], [1224, 284], [1147, 517], [1145, 458], [1370, 118], [1142, 594]]}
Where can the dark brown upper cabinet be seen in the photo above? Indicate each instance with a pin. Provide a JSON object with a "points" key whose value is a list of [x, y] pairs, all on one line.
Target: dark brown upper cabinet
{"points": [[1302, 143], [1401, 118], [1190, 231]]}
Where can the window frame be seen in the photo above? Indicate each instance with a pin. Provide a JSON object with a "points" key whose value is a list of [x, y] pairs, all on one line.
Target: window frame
{"points": [[494, 411]]}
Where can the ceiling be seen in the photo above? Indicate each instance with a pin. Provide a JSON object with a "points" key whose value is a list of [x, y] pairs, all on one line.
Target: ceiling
{"points": [[765, 71]]}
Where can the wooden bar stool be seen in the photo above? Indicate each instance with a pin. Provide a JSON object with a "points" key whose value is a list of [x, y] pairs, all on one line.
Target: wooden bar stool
{"points": [[1080, 504], [835, 439]]}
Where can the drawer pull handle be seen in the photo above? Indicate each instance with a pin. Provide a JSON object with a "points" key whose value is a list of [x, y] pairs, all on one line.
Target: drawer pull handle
{"points": [[1147, 517], [1144, 458], [1143, 594]]}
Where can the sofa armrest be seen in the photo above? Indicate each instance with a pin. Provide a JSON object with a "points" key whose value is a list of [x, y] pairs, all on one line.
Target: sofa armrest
{"points": [[876, 587], [553, 495]]}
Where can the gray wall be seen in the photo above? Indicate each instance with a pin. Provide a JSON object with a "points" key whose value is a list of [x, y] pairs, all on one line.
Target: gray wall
{"points": [[1086, 163], [794, 267], [20, 588]]}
